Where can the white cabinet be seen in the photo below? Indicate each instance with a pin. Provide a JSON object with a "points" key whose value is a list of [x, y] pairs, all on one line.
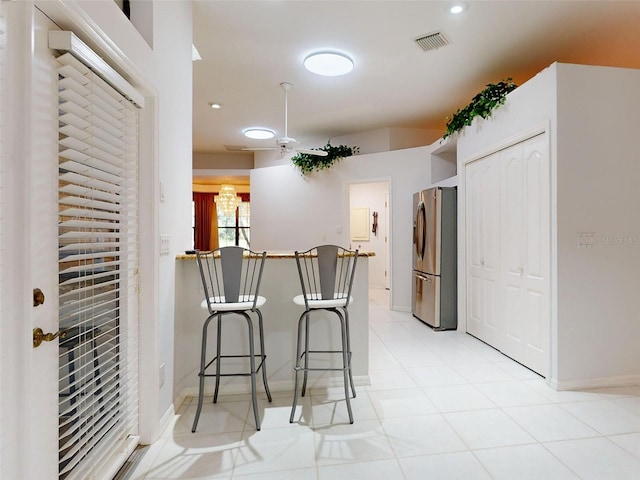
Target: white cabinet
{"points": [[508, 251]]}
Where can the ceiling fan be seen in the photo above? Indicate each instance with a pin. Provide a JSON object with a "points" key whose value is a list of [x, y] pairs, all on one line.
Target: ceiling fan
{"points": [[286, 143]]}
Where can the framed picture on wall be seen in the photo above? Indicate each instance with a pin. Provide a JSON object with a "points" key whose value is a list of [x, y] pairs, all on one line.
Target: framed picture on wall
{"points": [[359, 224]]}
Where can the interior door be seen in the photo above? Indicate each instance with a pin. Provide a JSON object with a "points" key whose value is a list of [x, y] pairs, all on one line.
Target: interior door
{"points": [[38, 108], [513, 250], [484, 316], [537, 307]]}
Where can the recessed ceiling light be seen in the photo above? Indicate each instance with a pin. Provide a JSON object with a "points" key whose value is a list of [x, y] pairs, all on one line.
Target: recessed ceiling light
{"points": [[215, 105], [329, 64], [457, 8], [259, 133]]}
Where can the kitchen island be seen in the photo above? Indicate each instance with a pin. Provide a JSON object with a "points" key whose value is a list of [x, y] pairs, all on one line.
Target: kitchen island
{"points": [[280, 283]]}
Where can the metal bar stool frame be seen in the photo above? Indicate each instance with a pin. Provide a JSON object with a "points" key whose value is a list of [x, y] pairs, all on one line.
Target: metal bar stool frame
{"points": [[231, 279], [326, 277]]}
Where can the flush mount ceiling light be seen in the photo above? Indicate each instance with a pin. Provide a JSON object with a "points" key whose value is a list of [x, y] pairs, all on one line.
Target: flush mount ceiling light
{"points": [[329, 64], [457, 8], [215, 105], [259, 133]]}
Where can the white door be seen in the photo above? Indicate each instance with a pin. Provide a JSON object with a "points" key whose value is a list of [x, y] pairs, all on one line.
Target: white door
{"points": [[537, 264], [484, 318], [29, 199], [98, 427], [514, 247], [525, 252], [508, 251]]}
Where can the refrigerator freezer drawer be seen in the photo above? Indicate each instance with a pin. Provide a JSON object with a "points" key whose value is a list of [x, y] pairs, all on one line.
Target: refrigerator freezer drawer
{"points": [[426, 298]]}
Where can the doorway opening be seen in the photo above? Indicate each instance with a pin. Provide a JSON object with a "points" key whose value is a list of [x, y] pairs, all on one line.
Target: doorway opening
{"points": [[370, 228]]}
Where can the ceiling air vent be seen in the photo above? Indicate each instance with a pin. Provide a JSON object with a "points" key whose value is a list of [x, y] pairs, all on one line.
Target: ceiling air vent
{"points": [[431, 41]]}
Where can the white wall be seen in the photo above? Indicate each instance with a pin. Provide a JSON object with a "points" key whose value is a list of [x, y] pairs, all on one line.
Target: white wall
{"points": [[289, 211], [372, 196], [591, 116], [598, 169]]}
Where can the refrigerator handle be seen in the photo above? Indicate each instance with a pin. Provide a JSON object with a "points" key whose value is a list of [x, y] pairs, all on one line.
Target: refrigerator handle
{"points": [[419, 230], [422, 277]]}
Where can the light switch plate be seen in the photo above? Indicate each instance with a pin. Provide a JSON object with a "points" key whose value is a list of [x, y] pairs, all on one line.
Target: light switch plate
{"points": [[164, 244]]}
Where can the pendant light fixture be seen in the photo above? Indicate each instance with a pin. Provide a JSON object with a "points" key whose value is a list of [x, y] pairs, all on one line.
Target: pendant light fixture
{"points": [[227, 201]]}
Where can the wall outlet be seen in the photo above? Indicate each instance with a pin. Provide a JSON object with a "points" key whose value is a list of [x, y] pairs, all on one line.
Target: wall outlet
{"points": [[161, 375]]}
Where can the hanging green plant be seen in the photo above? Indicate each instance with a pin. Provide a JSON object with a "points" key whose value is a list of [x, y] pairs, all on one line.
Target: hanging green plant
{"points": [[312, 163], [494, 95]]}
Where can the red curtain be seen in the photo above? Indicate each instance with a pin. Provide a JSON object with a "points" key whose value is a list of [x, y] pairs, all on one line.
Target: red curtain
{"points": [[205, 213]]}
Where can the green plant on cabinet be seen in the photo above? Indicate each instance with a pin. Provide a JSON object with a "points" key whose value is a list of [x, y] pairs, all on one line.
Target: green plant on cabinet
{"points": [[313, 163], [482, 105]]}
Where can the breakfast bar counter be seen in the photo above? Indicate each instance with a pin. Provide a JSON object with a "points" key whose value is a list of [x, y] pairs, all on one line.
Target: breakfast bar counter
{"points": [[280, 283]]}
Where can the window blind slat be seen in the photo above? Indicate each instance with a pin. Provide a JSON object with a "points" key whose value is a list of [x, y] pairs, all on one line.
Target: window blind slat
{"points": [[85, 159], [77, 292], [93, 96], [90, 134], [87, 191], [96, 224], [77, 111], [94, 406], [92, 151], [83, 440], [89, 203], [88, 182], [83, 385], [88, 213]]}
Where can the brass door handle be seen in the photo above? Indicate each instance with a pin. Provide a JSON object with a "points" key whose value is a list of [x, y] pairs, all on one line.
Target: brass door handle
{"points": [[39, 336]]}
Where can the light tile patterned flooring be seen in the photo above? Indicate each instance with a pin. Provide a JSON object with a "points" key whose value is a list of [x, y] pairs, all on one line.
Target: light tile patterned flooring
{"points": [[441, 405]]}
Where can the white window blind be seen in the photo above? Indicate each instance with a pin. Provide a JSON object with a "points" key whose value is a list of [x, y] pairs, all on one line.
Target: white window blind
{"points": [[98, 272]]}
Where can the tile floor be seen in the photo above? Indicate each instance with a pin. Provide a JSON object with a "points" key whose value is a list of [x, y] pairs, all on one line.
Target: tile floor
{"points": [[441, 405]]}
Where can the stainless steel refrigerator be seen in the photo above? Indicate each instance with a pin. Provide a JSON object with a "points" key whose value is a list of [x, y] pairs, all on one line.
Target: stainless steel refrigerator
{"points": [[434, 286]]}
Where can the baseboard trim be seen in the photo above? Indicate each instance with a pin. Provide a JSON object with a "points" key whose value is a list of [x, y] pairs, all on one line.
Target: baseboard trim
{"points": [[591, 383]]}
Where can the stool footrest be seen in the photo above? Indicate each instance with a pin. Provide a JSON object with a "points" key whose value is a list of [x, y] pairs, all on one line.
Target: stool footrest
{"points": [[239, 374]]}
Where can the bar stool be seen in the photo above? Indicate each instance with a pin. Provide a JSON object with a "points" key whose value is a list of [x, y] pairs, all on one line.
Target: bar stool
{"points": [[231, 281], [326, 277]]}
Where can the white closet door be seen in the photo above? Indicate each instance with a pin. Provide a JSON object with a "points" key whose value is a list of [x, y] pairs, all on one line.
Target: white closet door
{"points": [[484, 318], [536, 274], [508, 251], [512, 186]]}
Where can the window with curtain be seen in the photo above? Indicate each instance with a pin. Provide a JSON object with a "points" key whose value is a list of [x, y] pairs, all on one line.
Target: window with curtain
{"points": [[213, 229]]}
